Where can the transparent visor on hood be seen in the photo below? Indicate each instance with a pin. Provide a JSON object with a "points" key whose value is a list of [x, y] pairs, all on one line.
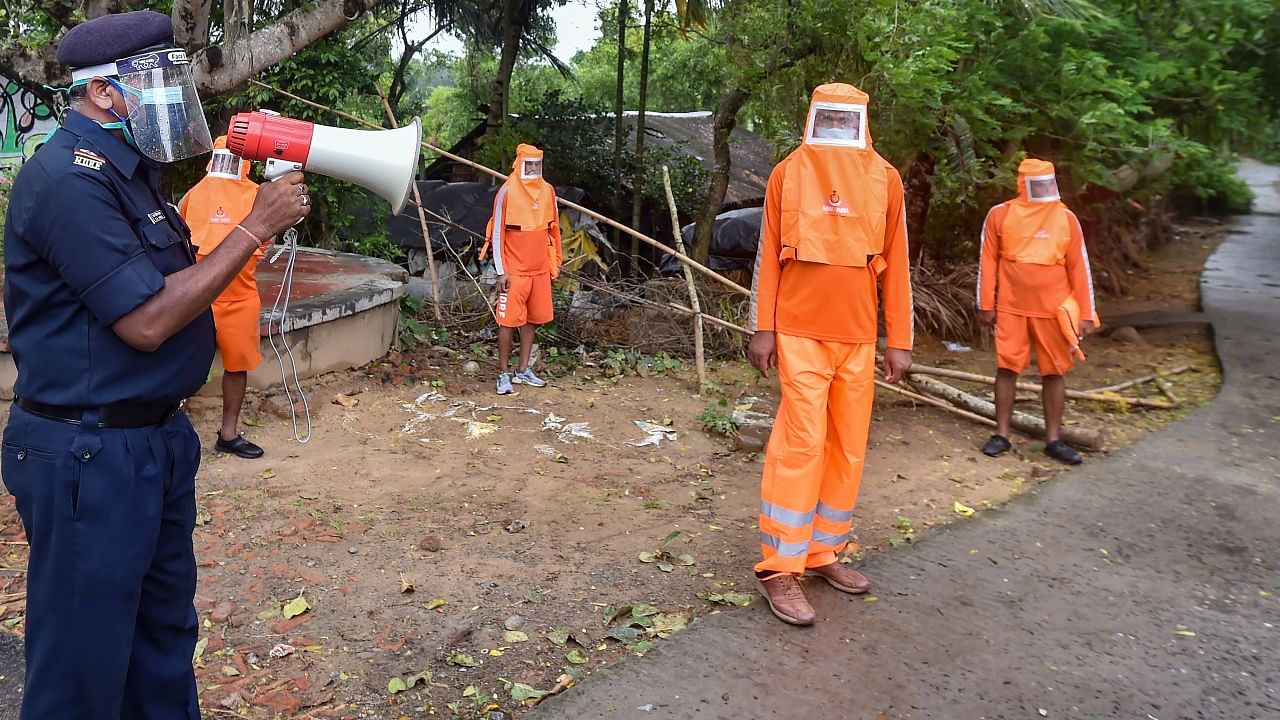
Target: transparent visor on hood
{"points": [[1042, 188], [839, 124], [165, 115], [225, 164], [531, 168]]}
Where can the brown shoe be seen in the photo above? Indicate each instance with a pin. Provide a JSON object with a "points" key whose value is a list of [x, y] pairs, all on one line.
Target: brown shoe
{"points": [[787, 601], [843, 578]]}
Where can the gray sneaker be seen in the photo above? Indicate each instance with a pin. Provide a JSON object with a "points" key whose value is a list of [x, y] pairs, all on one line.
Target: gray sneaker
{"points": [[504, 384], [526, 377]]}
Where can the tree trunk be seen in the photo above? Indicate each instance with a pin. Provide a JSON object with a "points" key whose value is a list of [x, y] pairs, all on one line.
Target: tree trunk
{"points": [[222, 68], [919, 189], [191, 23], [618, 106], [512, 30], [637, 177], [723, 122]]}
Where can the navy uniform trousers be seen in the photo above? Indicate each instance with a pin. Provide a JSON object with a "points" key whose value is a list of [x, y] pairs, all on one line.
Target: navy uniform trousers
{"points": [[109, 513]]}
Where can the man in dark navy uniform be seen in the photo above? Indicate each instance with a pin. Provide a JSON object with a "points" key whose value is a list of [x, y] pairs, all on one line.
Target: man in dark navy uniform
{"points": [[109, 325]]}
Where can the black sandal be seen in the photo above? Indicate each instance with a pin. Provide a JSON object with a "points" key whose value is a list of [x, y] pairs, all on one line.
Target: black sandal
{"points": [[996, 446], [1063, 453]]}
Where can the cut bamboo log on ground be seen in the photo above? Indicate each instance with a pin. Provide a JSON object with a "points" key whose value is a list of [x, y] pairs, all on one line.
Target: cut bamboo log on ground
{"points": [[1094, 395], [936, 403], [1029, 424], [1138, 381], [688, 278]]}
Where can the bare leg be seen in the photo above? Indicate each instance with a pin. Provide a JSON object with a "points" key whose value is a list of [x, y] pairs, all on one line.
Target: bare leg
{"points": [[1006, 390], [233, 386], [527, 331], [1054, 397], [504, 347]]}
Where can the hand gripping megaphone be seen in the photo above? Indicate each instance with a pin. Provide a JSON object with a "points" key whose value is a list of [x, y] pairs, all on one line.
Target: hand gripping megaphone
{"points": [[383, 161]]}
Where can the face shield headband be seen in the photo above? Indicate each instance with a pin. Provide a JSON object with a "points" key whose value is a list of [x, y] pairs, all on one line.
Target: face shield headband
{"points": [[838, 124], [165, 118]]}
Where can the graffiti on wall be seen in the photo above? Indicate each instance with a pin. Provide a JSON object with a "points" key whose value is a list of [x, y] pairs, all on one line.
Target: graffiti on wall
{"points": [[24, 120]]}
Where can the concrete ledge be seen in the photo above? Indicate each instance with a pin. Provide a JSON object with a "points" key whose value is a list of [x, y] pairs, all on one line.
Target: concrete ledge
{"points": [[342, 313]]}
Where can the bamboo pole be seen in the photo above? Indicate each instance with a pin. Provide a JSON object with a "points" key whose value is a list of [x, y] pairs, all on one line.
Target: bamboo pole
{"points": [[1034, 387], [688, 278], [936, 403], [1138, 381], [477, 166], [422, 218], [1029, 424]]}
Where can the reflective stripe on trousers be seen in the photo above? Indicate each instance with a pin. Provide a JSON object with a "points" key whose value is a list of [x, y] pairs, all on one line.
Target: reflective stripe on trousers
{"points": [[813, 466]]}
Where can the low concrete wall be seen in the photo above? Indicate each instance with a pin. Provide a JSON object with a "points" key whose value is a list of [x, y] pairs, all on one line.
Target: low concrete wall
{"points": [[342, 314]]}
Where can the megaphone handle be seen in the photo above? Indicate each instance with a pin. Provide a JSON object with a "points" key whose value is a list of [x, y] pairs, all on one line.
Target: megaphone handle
{"points": [[275, 169]]}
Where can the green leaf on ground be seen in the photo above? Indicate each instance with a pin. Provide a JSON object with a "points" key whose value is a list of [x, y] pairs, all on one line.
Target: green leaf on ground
{"points": [[577, 657], [558, 636], [462, 659], [514, 636], [295, 607], [666, 625]]}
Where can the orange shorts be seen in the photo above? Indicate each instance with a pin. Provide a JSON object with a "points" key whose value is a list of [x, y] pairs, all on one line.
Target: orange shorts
{"points": [[1016, 333], [236, 316], [239, 341], [526, 302]]}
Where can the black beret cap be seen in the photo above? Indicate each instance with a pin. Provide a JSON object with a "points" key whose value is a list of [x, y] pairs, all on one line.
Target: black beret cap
{"points": [[114, 37]]}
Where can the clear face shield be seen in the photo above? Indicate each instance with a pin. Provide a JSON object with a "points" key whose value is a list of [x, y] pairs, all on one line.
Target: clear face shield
{"points": [[226, 164], [1042, 188], [531, 169], [165, 116], [839, 124]]}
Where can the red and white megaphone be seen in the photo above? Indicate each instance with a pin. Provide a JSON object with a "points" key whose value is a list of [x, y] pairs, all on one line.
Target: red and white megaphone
{"points": [[383, 161]]}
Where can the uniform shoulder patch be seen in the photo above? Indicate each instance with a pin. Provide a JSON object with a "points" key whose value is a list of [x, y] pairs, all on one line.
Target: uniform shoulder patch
{"points": [[88, 159]]}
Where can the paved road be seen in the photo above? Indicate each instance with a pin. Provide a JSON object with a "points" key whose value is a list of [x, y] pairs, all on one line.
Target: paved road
{"points": [[1132, 587], [1020, 613]]}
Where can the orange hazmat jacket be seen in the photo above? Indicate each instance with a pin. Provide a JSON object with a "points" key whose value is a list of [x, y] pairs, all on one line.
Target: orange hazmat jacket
{"points": [[1033, 256], [524, 230]]}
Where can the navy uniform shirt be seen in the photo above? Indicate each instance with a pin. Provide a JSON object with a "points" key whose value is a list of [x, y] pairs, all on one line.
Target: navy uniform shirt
{"points": [[88, 239]]}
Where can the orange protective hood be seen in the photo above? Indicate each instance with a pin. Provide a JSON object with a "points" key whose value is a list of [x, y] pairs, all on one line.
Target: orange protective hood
{"points": [[220, 200], [1036, 229], [834, 189], [531, 201]]}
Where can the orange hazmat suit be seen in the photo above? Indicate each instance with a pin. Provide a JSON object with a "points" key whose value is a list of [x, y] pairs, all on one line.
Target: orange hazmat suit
{"points": [[834, 226], [1034, 273], [524, 235], [212, 209]]}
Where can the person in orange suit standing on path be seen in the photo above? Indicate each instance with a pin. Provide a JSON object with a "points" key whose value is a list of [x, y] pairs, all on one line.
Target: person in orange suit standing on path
{"points": [[211, 208], [1035, 286], [524, 234], [834, 226]]}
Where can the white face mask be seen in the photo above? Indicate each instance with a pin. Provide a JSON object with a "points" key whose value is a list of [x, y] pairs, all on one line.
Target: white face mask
{"points": [[839, 124]]}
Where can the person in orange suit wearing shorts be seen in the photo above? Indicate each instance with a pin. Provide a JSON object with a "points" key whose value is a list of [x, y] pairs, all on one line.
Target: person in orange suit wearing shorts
{"points": [[834, 226], [1035, 288], [524, 235], [212, 208]]}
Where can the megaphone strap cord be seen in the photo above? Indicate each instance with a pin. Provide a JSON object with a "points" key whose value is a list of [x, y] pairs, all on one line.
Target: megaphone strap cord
{"points": [[279, 312]]}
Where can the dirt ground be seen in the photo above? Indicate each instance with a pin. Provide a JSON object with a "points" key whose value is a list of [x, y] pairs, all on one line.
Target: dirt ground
{"points": [[458, 552]]}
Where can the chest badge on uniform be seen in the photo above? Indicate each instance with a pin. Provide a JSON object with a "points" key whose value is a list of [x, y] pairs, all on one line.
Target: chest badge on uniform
{"points": [[834, 205], [87, 158], [220, 217], [156, 217]]}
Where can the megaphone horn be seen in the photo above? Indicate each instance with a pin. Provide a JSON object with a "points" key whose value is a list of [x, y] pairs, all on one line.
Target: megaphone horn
{"points": [[383, 161]]}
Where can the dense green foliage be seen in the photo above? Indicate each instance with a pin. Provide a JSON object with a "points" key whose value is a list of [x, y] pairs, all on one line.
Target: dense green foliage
{"points": [[964, 89]]}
